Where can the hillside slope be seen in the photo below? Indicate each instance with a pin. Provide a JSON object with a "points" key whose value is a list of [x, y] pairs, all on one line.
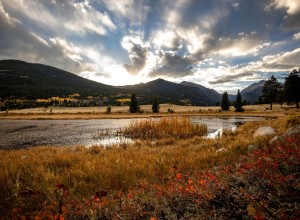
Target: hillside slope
{"points": [[166, 91], [252, 92], [31, 81]]}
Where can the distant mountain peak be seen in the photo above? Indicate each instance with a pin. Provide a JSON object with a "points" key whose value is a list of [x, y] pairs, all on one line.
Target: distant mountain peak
{"points": [[160, 80], [253, 91]]}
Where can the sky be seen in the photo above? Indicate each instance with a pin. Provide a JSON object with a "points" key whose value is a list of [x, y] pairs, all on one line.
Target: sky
{"points": [[221, 44]]}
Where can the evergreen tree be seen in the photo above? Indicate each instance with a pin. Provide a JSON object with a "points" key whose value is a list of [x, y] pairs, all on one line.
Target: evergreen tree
{"points": [[239, 102], [134, 105], [292, 87], [155, 106], [270, 90], [225, 105], [280, 95]]}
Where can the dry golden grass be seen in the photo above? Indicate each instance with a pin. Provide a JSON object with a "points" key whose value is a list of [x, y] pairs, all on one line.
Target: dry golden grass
{"points": [[86, 170], [120, 169], [122, 112], [176, 127]]}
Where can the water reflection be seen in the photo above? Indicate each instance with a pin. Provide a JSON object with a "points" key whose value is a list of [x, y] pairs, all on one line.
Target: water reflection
{"points": [[16, 134], [215, 125], [110, 140]]}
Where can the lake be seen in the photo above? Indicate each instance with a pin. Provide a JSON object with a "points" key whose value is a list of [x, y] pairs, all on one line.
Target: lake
{"points": [[17, 134]]}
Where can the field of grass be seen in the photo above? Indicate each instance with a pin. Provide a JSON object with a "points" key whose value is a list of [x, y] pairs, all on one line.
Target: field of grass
{"points": [[122, 112], [167, 178]]}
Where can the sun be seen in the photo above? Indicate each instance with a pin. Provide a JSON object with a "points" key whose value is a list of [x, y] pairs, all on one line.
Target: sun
{"points": [[117, 75]]}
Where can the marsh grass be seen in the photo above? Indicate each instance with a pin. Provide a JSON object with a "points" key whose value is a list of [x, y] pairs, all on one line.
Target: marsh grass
{"points": [[177, 127], [29, 178]]}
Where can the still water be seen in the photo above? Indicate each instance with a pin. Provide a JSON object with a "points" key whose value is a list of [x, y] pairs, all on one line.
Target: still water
{"points": [[16, 134]]}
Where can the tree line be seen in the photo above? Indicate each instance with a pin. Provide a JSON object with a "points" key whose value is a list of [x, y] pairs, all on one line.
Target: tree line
{"points": [[134, 106], [238, 104], [272, 91]]}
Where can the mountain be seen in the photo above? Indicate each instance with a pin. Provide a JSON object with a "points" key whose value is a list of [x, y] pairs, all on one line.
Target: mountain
{"points": [[165, 91], [210, 93], [32, 81], [252, 92], [20, 79]]}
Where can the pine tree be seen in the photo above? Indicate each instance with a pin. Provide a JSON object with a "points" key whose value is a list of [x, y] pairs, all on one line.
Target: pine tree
{"points": [[155, 105], [134, 105], [292, 87], [270, 90], [225, 105], [239, 102]]}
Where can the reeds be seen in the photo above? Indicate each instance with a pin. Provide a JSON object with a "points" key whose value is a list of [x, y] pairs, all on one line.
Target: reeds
{"points": [[177, 127]]}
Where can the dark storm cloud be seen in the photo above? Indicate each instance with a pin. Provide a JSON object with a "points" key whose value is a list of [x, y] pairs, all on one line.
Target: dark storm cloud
{"points": [[173, 66], [292, 12], [138, 56], [230, 78], [292, 22]]}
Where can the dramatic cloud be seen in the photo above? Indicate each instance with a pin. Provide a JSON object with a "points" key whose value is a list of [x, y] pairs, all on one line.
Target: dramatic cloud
{"points": [[173, 66], [279, 62], [169, 40], [296, 36], [225, 44], [137, 53], [292, 7]]}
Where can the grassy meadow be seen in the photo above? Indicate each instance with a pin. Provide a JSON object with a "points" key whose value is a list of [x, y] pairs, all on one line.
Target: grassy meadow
{"points": [[175, 174], [122, 112]]}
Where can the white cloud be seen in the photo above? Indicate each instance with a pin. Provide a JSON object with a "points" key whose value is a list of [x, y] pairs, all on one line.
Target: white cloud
{"points": [[246, 45], [90, 20], [7, 17], [135, 11], [195, 39], [166, 39], [236, 5], [69, 49], [172, 13], [40, 39], [223, 78], [292, 17], [83, 6], [34, 10], [282, 62], [292, 6], [296, 36], [77, 17]]}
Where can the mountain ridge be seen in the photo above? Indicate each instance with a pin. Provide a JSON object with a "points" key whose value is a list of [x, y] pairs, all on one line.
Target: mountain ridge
{"points": [[167, 91], [31, 80], [19, 78], [253, 91]]}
